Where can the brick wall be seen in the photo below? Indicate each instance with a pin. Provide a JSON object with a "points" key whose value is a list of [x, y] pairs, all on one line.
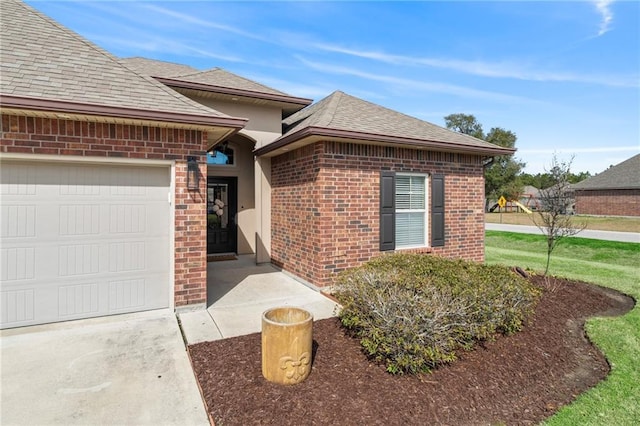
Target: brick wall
{"points": [[325, 205], [38, 136], [615, 202]]}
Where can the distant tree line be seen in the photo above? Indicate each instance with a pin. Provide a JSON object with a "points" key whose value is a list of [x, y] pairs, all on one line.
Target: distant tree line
{"points": [[546, 180], [505, 176]]}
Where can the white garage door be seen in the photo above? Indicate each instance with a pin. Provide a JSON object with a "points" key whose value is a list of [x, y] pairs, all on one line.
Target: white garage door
{"points": [[80, 241]]}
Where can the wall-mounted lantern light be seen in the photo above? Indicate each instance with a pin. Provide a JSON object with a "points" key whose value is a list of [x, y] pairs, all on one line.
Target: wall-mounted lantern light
{"points": [[193, 174]]}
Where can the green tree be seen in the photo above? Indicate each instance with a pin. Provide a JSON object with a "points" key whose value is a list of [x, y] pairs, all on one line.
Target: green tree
{"points": [[545, 180], [575, 178], [464, 123], [501, 176]]}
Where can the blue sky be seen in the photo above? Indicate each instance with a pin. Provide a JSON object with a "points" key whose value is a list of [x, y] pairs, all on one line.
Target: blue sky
{"points": [[564, 76]]}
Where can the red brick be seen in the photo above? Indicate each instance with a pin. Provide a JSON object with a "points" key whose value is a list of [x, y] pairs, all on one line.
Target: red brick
{"points": [[325, 201], [612, 202], [67, 137]]}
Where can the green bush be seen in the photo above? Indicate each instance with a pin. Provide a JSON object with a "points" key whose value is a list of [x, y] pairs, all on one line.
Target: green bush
{"points": [[413, 312]]}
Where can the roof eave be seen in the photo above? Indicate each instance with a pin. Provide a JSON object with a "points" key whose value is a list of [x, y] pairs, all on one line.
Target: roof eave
{"points": [[607, 188], [38, 104], [172, 82], [359, 137]]}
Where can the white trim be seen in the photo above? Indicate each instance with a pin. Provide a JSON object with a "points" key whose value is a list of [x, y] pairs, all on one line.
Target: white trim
{"points": [[141, 162], [87, 160], [425, 210], [172, 237]]}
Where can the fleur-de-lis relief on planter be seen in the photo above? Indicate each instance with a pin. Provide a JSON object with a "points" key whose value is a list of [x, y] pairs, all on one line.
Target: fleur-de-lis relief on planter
{"points": [[295, 368]]}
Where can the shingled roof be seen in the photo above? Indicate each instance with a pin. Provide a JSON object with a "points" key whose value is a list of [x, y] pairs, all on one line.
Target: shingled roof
{"points": [[215, 80], [222, 78], [625, 175], [344, 117], [47, 67], [157, 68]]}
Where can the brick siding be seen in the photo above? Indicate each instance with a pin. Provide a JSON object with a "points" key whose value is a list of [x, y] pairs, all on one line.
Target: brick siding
{"points": [[613, 202], [39, 136], [325, 205]]}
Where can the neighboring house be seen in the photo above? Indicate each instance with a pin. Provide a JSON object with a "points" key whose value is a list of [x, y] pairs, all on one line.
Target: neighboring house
{"points": [[530, 197], [120, 176], [614, 192]]}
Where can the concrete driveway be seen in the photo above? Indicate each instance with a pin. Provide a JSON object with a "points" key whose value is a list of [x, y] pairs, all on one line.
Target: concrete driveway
{"points": [[121, 370]]}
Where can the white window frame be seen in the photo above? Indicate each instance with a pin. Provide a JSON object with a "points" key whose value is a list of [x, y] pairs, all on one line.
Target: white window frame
{"points": [[424, 210]]}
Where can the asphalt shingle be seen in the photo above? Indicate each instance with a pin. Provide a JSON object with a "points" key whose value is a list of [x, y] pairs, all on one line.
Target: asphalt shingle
{"points": [[41, 59], [342, 112], [156, 68], [216, 77], [222, 78], [625, 175]]}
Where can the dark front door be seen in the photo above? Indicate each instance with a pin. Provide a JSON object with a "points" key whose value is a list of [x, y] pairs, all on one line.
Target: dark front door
{"points": [[221, 214]]}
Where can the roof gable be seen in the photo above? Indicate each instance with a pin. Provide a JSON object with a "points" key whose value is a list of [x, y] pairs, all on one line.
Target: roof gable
{"points": [[215, 82], [340, 115], [221, 78], [625, 175], [212, 77], [156, 68], [47, 66]]}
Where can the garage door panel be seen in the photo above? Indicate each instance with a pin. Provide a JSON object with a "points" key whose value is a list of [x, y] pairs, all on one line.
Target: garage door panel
{"points": [[77, 300], [18, 220], [82, 241], [17, 306], [134, 293], [19, 180], [73, 297], [17, 263]]}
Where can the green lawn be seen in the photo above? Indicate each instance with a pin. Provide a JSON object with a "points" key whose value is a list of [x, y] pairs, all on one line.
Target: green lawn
{"points": [[615, 401]]}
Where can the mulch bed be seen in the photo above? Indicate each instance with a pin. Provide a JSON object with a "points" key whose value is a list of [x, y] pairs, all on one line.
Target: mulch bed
{"points": [[520, 379]]}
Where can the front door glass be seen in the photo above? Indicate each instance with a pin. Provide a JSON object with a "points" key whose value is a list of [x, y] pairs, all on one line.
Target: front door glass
{"points": [[221, 215]]}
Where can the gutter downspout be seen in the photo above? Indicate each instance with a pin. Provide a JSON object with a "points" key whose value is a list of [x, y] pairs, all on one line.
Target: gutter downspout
{"points": [[486, 163]]}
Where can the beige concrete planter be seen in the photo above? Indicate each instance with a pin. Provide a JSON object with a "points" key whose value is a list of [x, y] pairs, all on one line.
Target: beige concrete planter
{"points": [[287, 342]]}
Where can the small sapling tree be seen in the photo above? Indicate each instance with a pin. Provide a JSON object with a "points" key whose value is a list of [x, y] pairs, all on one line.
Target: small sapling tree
{"points": [[555, 219]]}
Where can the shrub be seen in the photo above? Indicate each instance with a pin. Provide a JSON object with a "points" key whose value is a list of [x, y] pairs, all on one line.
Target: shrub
{"points": [[413, 312]]}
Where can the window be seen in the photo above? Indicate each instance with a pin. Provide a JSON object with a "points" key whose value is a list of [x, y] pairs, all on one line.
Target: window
{"points": [[411, 213], [221, 155], [404, 213]]}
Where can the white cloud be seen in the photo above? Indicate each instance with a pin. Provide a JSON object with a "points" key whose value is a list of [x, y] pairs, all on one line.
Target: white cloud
{"points": [[413, 84], [504, 69], [194, 20], [604, 9], [135, 45]]}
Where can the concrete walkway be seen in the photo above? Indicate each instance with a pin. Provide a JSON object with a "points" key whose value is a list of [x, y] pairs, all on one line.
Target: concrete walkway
{"points": [[627, 237], [239, 292], [120, 370]]}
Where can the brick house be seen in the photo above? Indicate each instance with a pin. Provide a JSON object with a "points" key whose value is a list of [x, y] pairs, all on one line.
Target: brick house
{"points": [[614, 192], [351, 180], [120, 176]]}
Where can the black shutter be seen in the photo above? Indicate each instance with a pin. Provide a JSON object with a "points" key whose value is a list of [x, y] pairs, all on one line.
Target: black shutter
{"points": [[437, 210], [387, 210]]}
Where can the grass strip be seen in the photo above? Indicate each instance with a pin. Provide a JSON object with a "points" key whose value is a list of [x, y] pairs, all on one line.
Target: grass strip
{"points": [[612, 264]]}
